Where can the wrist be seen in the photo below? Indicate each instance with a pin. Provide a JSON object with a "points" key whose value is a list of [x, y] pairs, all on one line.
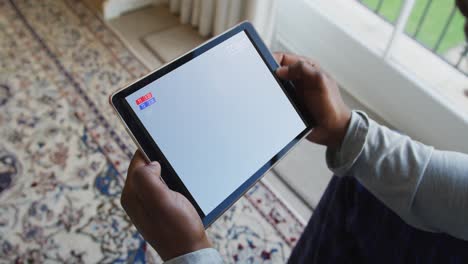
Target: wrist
{"points": [[206, 255], [182, 249], [201, 244], [341, 160], [338, 133]]}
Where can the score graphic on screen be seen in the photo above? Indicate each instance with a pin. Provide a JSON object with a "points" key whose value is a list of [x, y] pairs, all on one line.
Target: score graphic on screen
{"points": [[145, 101]]}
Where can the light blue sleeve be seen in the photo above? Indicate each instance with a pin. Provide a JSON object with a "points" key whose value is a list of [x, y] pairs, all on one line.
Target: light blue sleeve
{"points": [[202, 256], [427, 188]]}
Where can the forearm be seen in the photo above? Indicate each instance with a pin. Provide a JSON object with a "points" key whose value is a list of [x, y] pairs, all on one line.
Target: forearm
{"points": [[403, 174], [442, 198]]}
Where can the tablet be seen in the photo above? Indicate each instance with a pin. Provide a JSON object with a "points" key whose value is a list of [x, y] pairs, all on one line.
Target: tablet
{"points": [[216, 118]]}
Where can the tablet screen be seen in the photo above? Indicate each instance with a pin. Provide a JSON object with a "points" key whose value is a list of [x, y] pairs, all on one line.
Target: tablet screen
{"points": [[218, 119]]}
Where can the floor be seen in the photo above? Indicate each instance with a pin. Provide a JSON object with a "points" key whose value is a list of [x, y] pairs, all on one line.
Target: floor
{"points": [[157, 37]]}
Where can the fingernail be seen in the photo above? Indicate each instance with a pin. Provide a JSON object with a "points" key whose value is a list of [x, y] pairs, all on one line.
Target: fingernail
{"points": [[281, 70], [154, 165]]}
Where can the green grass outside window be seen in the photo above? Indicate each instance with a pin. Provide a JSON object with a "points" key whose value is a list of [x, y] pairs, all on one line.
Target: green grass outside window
{"points": [[433, 25]]}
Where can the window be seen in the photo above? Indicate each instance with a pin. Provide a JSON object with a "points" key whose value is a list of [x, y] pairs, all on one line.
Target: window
{"points": [[372, 48]]}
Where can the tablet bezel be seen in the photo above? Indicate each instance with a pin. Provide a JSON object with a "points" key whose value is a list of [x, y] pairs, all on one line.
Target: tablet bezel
{"points": [[150, 148]]}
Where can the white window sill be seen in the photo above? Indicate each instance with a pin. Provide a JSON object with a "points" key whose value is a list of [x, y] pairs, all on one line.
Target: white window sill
{"points": [[408, 55]]}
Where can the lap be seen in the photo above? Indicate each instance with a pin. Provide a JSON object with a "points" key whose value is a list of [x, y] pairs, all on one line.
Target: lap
{"points": [[350, 225]]}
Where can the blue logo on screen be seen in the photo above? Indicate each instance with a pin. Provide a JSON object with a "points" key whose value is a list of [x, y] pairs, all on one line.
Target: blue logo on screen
{"points": [[147, 103]]}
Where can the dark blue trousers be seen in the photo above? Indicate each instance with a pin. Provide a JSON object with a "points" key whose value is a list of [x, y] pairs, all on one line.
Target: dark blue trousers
{"points": [[350, 225]]}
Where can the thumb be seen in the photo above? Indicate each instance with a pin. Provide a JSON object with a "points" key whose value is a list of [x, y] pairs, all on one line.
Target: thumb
{"points": [[147, 184], [300, 70]]}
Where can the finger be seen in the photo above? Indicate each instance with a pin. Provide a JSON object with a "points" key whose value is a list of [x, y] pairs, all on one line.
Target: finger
{"points": [[277, 56], [138, 160], [299, 71], [125, 200], [135, 210], [129, 201], [285, 59]]}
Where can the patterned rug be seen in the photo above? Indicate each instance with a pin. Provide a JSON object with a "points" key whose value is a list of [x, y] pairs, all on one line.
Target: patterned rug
{"points": [[64, 154]]}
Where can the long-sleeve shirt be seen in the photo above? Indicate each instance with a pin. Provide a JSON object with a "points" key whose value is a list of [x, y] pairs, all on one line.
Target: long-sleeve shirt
{"points": [[427, 188]]}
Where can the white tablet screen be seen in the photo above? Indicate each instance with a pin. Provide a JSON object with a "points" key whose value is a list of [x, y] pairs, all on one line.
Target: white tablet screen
{"points": [[218, 119]]}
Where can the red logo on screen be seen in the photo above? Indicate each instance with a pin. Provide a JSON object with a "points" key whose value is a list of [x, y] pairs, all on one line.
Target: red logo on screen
{"points": [[144, 98]]}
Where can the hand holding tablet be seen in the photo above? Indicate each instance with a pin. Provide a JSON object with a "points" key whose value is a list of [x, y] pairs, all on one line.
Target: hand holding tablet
{"points": [[320, 97], [217, 119], [166, 219]]}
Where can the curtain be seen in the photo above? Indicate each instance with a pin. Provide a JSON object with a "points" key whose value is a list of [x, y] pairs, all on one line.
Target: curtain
{"points": [[212, 17]]}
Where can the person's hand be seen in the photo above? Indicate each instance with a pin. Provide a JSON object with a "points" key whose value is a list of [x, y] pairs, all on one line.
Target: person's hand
{"points": [[320, 95], [166, 219]]}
